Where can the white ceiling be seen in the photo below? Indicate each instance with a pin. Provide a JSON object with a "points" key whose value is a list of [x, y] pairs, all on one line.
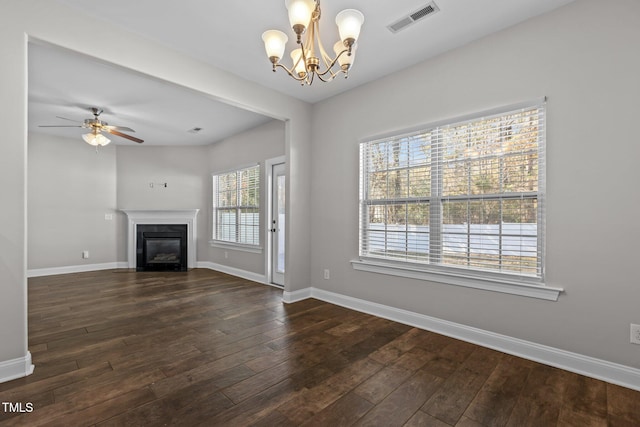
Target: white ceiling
{"points": [[227, 35], [66, 84]]}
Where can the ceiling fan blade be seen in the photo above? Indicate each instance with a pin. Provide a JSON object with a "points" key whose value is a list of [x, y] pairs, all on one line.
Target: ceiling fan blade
{"points": [[59, 126], [124, 135], [124, 128], [71, 120]]}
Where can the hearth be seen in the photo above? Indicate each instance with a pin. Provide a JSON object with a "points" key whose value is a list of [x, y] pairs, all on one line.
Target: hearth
{"points": [[161, 247]]}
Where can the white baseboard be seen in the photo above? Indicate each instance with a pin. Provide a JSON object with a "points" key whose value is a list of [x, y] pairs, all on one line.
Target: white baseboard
{"points": [[254, 277], [16, 368], [614, 373], [249, 275], [38, 272], [295, 296]]}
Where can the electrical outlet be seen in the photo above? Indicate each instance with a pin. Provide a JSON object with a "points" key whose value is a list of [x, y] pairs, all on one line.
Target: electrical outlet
{"points": [[635, 334], [85, 254], [226, 254], [327, 274]]}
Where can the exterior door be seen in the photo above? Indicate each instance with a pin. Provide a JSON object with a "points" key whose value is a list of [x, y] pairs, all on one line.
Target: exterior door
{"points": [[279, 199]]}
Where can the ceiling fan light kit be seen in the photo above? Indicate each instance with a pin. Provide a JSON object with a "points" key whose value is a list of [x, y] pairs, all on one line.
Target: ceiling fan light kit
{"points": [[308, 59], [96, 139]]}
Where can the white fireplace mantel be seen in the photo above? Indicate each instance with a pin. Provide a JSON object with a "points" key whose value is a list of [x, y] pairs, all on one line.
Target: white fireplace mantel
{"points": [[183, 216]]}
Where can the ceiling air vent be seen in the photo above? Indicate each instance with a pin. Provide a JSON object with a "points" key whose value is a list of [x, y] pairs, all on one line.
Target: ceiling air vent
{"points": [[413, 17]]}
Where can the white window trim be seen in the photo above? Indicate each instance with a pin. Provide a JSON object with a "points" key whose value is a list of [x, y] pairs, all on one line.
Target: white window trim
{"points": [[468, 279], [242, 247], [504, 283], [236, 246]]}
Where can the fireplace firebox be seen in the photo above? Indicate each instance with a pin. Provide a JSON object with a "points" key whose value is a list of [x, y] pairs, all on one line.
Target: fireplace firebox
{"points": [[161, 247]]}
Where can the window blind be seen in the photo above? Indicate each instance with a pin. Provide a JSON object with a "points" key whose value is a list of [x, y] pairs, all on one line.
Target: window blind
{"points": [[462, 195], [237, 206]]}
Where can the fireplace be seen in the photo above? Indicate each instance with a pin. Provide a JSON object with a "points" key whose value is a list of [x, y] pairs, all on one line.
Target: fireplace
{"points": [[162, 240], [161, 247]]}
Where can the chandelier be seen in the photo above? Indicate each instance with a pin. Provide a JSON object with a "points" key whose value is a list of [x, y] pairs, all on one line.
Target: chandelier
{"points": [[311, 58]]}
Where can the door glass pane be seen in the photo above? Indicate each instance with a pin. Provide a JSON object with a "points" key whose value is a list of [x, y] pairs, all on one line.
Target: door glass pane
{"points": [[281, 222]]}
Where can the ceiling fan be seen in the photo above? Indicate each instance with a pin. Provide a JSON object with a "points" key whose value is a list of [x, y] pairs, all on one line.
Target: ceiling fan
{"points": [[97, 126]]}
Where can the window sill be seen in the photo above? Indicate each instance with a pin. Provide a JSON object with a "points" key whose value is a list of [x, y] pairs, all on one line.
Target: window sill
{"points": [[514, 287], [235, 246]]}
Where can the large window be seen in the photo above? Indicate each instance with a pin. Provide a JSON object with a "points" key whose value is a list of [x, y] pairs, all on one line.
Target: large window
{"points": [[464, 196], [236, 206]]}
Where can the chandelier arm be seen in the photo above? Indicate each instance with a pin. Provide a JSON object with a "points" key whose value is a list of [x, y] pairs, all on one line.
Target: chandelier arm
{"points": [[321, 77], [327, 71], [303, 55], [300, 58], [326, 58], [323, 53], [292, 74], [311, 35], [330, 67], [333, 75], [306, 47]]}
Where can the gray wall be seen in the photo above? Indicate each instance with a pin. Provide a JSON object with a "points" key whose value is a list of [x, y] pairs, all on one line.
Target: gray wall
{"points": [[70, 189], [185, 170], [254, 146], [585, 59]]}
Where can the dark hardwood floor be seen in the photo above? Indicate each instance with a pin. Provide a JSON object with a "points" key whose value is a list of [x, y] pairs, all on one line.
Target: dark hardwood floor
{"points": [[119, 348]]}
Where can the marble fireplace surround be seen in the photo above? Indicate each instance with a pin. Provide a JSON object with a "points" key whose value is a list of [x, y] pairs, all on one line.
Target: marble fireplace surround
{"points": [[182, 216]]}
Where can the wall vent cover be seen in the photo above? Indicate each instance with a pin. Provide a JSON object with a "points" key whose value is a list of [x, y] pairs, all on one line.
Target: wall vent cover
{"points": [[402, 23]]}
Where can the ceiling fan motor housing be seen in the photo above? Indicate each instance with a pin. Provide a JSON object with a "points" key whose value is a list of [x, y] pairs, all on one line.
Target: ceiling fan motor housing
{"points": [[94, 123]]}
